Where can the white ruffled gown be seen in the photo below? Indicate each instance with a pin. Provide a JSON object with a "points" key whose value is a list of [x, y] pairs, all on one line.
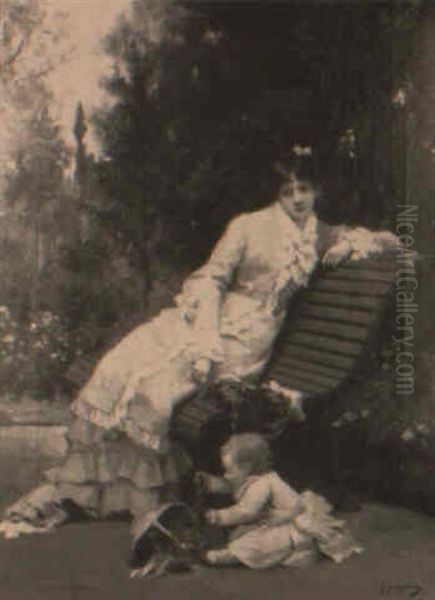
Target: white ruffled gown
{"points": [[261, 536]]}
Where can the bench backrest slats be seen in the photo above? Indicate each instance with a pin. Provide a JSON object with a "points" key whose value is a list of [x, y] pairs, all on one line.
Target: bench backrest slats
{"points": [[330, 325], [362, 274], [320, 342], [354, 287], [361, 302], [345, 331], [314, 367]]}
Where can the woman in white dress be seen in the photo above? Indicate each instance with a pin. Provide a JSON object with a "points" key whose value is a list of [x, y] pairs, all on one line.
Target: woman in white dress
{"points": [[227, 316]]}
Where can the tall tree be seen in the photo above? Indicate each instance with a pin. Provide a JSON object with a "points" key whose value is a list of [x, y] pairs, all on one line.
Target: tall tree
{"points": [[30, 51], [35, 191], [33, 156], [204, 108]]}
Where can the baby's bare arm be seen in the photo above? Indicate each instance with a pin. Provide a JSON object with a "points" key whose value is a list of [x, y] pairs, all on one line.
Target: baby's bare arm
{"points": [[213, 484], [249, 508]]}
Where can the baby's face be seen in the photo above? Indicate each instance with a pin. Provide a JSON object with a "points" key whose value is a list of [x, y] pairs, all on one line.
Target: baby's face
{"points": [[233, 471], [297, 198]]}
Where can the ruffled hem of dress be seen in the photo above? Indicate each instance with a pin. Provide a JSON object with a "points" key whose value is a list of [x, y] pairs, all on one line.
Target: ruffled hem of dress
{"points": [[116, 420], [142, 472], [116, 417], [329, 533], [42, 510]]}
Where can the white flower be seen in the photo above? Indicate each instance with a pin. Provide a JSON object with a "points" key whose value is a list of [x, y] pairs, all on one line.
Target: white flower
{"points": [[399, 97], [300, 150], [4, 312], [348, 142], [212, 37], [408, 435], [423, 428], [47, 318], [350, 416]]}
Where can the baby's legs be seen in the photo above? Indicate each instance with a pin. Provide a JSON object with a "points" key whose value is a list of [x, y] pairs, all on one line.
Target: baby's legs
{"points": [[221, 557]]}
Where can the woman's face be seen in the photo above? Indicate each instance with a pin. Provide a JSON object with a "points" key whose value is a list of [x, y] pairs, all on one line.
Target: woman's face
{"points": [[297, 198]]}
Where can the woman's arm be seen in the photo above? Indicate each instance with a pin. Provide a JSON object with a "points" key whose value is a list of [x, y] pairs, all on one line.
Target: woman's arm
{"points": [[340, 242], [202, 291]]}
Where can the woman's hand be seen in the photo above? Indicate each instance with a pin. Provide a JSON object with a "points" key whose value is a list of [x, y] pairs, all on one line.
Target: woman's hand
{"points": [[190, 311], [201, 369], [337, 254], [212, 517], [201, 481]]}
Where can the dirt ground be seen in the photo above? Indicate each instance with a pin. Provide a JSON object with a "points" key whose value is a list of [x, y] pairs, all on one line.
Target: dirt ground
{"points": [[88, 562]]}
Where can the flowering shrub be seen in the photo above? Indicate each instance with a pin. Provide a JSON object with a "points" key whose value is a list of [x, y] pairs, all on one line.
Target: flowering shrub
{"points": [[33, 354], [373, 407]]}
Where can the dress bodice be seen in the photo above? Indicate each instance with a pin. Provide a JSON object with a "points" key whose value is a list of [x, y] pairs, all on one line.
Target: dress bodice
{"points": [[238, 299]]}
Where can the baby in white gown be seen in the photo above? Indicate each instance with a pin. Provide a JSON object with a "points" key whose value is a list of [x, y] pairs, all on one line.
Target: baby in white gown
{"points": [[271, 524]]}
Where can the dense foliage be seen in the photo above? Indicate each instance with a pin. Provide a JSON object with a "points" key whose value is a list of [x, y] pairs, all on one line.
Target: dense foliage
{"points": [[203, 112]]}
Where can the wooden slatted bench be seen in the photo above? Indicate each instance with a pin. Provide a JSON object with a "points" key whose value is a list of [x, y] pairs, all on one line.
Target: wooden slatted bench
{"points": [[333, 325]]}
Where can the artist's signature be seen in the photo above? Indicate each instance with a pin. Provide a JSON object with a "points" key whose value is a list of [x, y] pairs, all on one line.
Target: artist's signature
{"points": [[406, 589]]}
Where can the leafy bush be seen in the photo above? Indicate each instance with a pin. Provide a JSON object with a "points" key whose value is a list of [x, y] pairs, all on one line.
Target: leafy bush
{"points": [[33, 353]]}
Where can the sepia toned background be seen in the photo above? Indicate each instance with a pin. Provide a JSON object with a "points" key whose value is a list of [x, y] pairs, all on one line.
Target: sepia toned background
{"points": [[131, 131]]}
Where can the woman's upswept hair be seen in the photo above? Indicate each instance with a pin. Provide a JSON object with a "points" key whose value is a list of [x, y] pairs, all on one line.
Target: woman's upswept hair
{"points": [[302, 162], [251, 450]]}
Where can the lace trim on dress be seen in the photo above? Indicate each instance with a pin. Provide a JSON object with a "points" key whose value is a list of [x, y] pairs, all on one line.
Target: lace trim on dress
{"points": [[110, 421], [299, 258], [193, 349]]}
